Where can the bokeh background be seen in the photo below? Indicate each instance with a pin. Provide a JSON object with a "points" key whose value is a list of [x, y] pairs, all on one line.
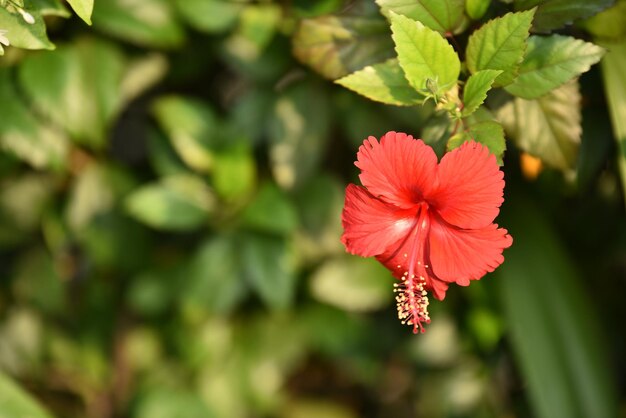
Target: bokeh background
{"points": [[171, 184]]}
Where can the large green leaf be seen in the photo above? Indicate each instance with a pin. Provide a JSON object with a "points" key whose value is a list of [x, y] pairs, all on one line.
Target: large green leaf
{"points": [[23, 135], [269, 266], [191, 126], [271, 211], [83, 8], [499, 45], [209, 15], [180, 202], [383, 83], [476, 8], [22, 34], [476, 88], [548, 127], [424, 54], [613, 70], [298, 135], [16, 403], [145, 22], [554, 14], [553, 328], [335, 46], [78, 87], [552, 61], [441, 15], [488, 133]]}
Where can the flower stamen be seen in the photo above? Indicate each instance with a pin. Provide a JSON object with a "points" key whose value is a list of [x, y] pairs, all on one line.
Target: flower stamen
{"points": [[412, 302]]}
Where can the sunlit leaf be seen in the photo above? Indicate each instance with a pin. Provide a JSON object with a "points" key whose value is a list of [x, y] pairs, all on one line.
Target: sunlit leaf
{"points": [[552, 61], [17, 403], [548, 127], [354, 284], [335, 46], [209, 15], [555, 339], [440, 15], [168, 403], [499, 45], [77, 86], [83, 9], [613, 70], [234, 171], [144, 22], [22, 34], [476, 88], [488, 133], [610, 23], [424, 55], [91, 194], [554, 14], [180, 202], [476, 8], [383, 83]]}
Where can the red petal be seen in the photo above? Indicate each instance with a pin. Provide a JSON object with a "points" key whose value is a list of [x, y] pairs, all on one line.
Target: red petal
{"points": [[469, 194], [460, 255], [399, 169], [371, 225]]}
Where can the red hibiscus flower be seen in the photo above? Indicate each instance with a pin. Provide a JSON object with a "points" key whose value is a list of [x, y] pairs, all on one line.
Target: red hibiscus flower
{"points": [[430, 223]]}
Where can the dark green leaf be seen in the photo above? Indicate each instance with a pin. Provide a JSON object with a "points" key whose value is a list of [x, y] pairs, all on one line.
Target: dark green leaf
{"points": [[488, 133], [335, 46], [270, 268], [555, 339], [552, 61], [476, 88], [180, 202], [442, 16], [147, 22], [77, 87], [271, 211], [424, 54], [499, 45], [548, 127], [50, 8], [554, 14], [383, 83]]}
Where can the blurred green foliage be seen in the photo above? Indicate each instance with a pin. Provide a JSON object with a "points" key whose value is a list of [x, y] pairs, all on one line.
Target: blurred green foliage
{"points": [[171, 186]]}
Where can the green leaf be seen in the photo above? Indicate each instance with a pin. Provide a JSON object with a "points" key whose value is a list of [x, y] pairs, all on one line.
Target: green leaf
{"points": [[271, 211], [476, 88], [17, 403], [23, 135], [141, 74], [610, 24], [548, 127], [181, 202], [499, 45], [171, 403], [383, 83], [613, 69], [92, 194], [77, 86], [22, 34], [552, 61], [234, 171], [270, 268], [554, 14], [424, 54], [212, 16], [257, 27], [213, 281], [352, 283], [476, 8], [83, 9], [149, 23], [297, 135], [50, 8], [488, 133], [335, 46], [442, 16], [556, 340], [191, 126]]}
